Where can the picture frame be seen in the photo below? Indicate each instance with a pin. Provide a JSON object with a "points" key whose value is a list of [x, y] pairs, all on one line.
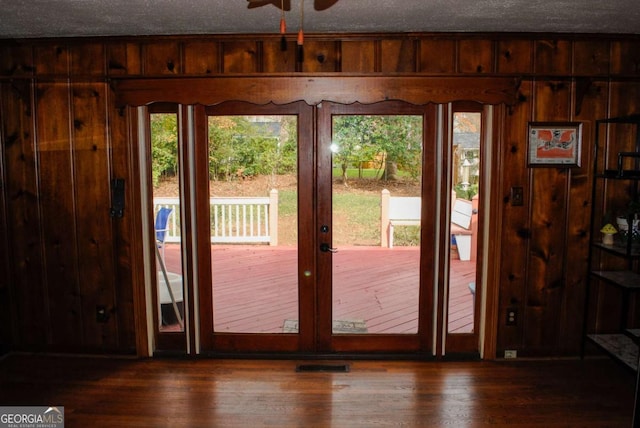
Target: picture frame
{"points": [[554, 144]]}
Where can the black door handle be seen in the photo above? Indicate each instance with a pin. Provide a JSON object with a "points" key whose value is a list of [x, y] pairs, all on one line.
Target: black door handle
{"points": [[326, 248]]}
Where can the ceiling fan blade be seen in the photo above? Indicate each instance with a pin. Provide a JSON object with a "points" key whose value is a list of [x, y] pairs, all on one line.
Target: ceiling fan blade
{"points": [[277, 3], [323, 4]]}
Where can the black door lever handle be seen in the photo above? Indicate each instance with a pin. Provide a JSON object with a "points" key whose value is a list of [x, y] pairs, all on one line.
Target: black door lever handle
{"points": [[325, 248]]}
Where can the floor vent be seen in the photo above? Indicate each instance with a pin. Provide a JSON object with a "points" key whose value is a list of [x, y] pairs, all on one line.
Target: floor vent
{"points": [[332, 368]]}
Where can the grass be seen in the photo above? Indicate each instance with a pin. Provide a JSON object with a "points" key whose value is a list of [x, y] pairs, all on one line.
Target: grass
{"points": [[354, 173], [356, 220]]}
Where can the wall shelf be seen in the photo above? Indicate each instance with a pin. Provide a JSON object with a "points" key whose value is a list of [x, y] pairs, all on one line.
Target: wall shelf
{"points": [[615, 188]]}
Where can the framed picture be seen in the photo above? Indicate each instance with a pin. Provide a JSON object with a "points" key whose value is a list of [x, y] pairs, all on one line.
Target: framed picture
{"points": [[557, 144]]}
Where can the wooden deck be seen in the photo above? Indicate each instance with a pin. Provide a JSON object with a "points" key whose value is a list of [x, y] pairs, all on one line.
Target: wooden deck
{"points": [[255, 288]]}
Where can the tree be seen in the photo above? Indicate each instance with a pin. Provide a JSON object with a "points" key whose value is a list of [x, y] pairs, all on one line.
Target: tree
{"points": [[362, 138], [164, 145], [241, 146]]}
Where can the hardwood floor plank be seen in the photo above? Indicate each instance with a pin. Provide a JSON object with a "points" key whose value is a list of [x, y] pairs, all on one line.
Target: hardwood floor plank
{"points": [[105, 392]]}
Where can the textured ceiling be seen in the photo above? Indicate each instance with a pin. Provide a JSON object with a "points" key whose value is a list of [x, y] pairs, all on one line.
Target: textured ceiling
{"points": [[76, 18]]}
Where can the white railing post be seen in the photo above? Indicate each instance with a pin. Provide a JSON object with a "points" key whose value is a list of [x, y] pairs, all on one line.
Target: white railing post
{"points": [[384, 218], [236, 220], [273, 217]]}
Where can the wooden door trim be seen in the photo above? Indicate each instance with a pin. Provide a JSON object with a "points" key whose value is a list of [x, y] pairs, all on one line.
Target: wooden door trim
{"points": [[243, 342], [421, 342], [314, 89]]}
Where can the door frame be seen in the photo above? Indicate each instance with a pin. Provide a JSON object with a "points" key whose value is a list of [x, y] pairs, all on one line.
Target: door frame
{"points": [[468, 344], [132, 93], [421, 343], [302, 342]]}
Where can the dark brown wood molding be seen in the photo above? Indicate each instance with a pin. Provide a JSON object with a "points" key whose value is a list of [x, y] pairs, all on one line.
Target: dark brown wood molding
{"points": [[315, 89]]}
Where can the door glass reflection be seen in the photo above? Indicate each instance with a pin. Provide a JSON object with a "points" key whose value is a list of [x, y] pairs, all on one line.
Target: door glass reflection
{"points": [[253, 223], [464, 221], [377, 169], [166, 214]]}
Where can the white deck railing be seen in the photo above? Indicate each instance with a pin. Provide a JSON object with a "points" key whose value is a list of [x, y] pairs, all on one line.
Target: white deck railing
{"points": [[234, 220]]}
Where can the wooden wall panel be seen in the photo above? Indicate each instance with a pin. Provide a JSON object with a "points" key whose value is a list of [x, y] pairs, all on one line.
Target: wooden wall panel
{"points": [[126, 259], [549, 216], [161, 58], [27, 302], [553, 57], [515, 56], [7, 314], [276, 60], [62, 266], [625, 98], [92, 201], [16, 60], [321, 56], [591, 58], [593, 104], [201, 57], [240, 57], [437, 56], [52, 59], [88, 59], [64, 301], [124, 59], [515, 231], [475, 56], [358, 56], [546, 283], [398, 56], [625, 58]]}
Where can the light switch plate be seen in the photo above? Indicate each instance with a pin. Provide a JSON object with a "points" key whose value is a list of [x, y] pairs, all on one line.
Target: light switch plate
{"points": [[517, 196]]}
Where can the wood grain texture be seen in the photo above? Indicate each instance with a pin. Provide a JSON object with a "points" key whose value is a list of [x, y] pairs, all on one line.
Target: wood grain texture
{"points": [[162, 58], [553, 57], [515, 56], [592, 58], [242, 393], [24, 283], [475, 56], [625, 57], [515, 228], [358, 57], [44, 93], [315, 89], [398, 56]]}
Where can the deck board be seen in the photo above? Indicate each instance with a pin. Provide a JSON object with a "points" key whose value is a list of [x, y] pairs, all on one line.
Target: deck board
{"points": [[255, 288]]}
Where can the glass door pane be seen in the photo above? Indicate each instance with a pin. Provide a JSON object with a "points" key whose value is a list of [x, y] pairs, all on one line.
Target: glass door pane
{"points": [[166, 215], [253, 222], [376, 189], [465, 185]]}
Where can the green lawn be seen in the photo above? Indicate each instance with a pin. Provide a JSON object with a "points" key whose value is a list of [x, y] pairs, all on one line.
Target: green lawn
{"points": [[356, 220]]}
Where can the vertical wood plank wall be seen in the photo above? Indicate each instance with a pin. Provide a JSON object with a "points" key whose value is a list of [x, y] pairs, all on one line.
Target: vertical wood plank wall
{"points": [[62, 141]]}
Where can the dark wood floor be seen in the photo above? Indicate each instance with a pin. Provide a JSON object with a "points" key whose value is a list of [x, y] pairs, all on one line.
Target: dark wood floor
{"points": [[104, 392]]}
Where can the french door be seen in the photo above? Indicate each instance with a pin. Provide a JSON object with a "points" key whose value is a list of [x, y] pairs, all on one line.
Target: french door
{"points": [[291, 247], [383, 295]]}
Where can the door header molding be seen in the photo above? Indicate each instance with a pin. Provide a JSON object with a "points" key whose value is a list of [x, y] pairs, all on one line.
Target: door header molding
{"points": [[316, 89]]}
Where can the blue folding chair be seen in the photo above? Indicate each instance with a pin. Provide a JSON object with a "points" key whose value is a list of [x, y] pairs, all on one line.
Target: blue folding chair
{"points": [[161, 227]]}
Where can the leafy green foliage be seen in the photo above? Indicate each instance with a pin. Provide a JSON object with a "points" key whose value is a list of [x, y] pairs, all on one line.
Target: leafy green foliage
{"points": [[466, 192], [241, 146], [397, 139], [164, 145]]}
